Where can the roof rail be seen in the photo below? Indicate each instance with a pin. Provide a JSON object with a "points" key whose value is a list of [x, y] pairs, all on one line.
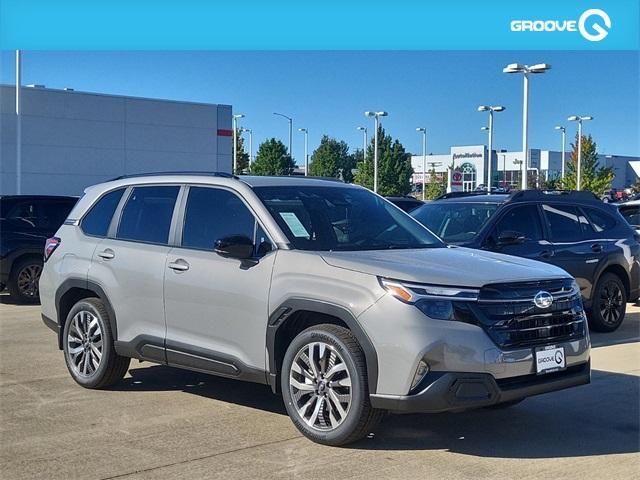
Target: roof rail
{"points": [[185, 172], [459, 194], [556, 195]]}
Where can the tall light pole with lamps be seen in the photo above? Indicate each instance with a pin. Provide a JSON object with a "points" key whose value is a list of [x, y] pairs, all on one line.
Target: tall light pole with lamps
{"points": [[424, 159], [579, 119], [525, 70], [490, 109], [235, 141], [563, 131], [290, 120], [364, 143], [306, 145], [376, 122]]}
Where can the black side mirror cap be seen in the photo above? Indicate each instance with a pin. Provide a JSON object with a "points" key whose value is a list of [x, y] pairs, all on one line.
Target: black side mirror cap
{"points": [[509, 237], [235, 246]]}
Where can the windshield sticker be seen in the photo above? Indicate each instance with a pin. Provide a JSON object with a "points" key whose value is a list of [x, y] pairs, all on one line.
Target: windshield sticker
{"points": [[294, 225]]}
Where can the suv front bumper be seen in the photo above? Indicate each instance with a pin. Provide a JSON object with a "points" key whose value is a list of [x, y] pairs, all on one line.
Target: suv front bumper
{"points": [[453, 391]]}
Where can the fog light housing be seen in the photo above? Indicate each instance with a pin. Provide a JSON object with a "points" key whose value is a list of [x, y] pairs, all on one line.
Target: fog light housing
{"points": [[421, 371]]}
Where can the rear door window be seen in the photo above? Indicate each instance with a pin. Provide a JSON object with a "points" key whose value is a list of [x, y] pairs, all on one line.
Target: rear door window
{"points": [[147, 215], [600, 221], [566, 223]]}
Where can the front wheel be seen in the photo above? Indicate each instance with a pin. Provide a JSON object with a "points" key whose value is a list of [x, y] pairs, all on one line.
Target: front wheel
{"points": [[324, 386], [609, 304]]}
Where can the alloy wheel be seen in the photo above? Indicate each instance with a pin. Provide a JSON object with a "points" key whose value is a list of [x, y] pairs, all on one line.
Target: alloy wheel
{"points": [[611, 303], [320, 386], [28, 279], [84, 344]]}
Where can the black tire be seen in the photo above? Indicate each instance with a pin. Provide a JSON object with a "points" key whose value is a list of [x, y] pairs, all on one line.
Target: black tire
{"points": [[510, 403], [111, 367], [22, 283], [361, 417], [609, 304]]}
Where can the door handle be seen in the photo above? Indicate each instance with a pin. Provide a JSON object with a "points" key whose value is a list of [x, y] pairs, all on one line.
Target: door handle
{"points": [[546, 254], [596, 248], [107, 254], [179, 265]]}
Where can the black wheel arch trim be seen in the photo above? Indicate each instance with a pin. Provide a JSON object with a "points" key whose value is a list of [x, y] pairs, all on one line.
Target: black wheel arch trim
{"points": [[84, 284], [295, 304]]}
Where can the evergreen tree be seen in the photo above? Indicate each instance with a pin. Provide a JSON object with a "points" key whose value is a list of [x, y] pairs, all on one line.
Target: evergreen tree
{"points": [[592, 177], [272, 158], [329, 158], [435, 186], [242, 157]]}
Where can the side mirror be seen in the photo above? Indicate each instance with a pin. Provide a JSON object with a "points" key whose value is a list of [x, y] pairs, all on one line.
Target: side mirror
{"points": [[235, 246], [509, 237]]}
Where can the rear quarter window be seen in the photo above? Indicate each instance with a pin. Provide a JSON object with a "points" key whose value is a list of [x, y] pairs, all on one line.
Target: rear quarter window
{"points": [[600, 221], [96, 222]]}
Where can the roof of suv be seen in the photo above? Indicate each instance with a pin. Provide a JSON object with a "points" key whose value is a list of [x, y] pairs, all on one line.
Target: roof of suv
{"points": [[522, 196]]}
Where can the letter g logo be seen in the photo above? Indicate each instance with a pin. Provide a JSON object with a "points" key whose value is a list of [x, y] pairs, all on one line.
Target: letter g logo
{"points": [[600, 30]]}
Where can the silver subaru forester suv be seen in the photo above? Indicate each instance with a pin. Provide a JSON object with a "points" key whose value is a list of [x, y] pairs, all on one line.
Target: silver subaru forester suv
{"points": [[325, 291]]}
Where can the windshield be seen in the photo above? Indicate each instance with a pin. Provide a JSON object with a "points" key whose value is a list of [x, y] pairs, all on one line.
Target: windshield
{"points": [[454, 222], [339, 218]]}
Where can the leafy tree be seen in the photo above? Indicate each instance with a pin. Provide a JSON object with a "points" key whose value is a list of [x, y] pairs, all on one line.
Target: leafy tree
{"points": [[434, 187], [394, 167], [242, 157], [328, 157], [554, 182], [592, 177], [273, 159]]}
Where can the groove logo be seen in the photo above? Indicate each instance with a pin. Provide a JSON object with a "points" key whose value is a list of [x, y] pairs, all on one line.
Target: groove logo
{"points": [[594, 25]]}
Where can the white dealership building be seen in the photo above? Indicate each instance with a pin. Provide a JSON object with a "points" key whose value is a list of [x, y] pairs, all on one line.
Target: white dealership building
{"points": [[70, 140], [470, 166]]}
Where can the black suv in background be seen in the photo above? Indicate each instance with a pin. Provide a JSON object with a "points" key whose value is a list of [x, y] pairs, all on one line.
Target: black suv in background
{"points": [[572, 230], [406, 203], [26, 221]]}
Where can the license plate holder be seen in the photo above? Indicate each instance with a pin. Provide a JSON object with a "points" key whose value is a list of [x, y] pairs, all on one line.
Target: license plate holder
{"points": [[549, 359]]}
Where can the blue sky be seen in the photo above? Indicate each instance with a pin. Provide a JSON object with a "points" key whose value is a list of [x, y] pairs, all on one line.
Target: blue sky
{"points": [[327, 92]]}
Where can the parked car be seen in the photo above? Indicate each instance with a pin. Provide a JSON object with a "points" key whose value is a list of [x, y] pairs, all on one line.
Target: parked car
{"points": [[26, 221], [406, 203], [573, 230], [631, 213], [325, 291]]}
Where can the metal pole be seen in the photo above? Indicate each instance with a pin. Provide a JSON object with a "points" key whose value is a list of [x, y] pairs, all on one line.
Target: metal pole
{"points": [[18, 124], [290, 136], [306, 155], [490, 152], [235, 145], [424, 163], [364, 147], [250, 147], [563, 149], [375, 156], [579, 166], [525, 131]]}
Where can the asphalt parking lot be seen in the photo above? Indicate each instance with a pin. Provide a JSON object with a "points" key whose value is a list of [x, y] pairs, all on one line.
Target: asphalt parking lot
{"points": [[167, 423]]}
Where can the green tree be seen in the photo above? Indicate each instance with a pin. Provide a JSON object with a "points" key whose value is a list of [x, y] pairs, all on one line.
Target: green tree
{"points": [[242, 157], [394, 167], [435, 186], [592, 177], [329, 158], [272, 159]]}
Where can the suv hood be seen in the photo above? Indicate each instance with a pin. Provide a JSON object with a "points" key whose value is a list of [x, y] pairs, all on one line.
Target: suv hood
{"points": [[451, 266]]}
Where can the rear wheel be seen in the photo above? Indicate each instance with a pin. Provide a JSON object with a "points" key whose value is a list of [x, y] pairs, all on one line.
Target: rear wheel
{"points": [[324, 386], [88, 346], [23, 280], [609, 304]]}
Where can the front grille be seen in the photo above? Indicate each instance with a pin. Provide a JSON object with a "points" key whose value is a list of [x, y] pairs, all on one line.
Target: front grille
{"points": [[511, 318]]}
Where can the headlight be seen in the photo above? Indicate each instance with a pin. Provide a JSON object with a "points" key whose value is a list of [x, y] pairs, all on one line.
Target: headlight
{"points": [[435, 301]]}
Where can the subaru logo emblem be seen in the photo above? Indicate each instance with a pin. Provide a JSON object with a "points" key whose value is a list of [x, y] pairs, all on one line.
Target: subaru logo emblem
{"points": [[543, 299]]}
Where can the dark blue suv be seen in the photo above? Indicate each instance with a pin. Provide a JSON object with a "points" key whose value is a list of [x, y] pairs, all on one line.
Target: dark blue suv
{"points": [[573, 230]]}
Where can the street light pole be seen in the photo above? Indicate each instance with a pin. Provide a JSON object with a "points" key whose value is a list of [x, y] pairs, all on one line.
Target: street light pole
{"points": [[376, 122], [364, 143], [579, 119], [306, 155], [486, 108], [424, 159], [563, 131], [18, 123], [235, 141], [290, 120], [525, 70]]}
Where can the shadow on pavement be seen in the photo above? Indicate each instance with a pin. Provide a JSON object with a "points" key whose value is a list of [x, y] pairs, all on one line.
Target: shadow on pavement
{"points": [[628, 332], [598, 419]]}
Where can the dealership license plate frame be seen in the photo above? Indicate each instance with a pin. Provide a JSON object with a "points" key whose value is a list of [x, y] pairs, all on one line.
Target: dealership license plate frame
{"points": [[549, 351]]}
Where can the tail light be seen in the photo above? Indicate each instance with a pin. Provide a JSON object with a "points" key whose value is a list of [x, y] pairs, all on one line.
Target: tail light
{"points": [[50, 247]]}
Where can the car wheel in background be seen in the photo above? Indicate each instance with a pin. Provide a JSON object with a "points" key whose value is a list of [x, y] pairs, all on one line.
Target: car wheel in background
{"points": [[23, 280], [324, 386], [88, 346], [609, 304]]}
